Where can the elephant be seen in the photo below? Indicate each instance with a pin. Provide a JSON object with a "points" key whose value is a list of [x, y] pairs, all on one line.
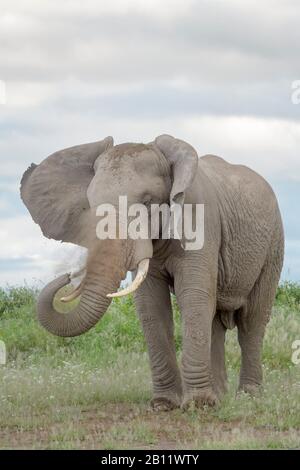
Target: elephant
{"points": [[230, 282]]}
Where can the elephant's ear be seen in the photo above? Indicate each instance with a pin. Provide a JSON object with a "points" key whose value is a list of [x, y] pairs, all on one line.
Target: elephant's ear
{"points": [[54, 191], [183, 159]]}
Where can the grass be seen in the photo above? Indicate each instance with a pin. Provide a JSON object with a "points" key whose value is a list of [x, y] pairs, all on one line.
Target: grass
{"points": [[93, 391]]}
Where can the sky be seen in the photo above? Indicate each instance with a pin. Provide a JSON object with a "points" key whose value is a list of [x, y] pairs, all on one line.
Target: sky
{"points": [[222, 75]]}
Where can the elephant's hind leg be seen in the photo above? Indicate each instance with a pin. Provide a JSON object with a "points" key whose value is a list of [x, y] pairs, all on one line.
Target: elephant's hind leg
{"points": [[252, 320], [155, 312], [218, 366]]}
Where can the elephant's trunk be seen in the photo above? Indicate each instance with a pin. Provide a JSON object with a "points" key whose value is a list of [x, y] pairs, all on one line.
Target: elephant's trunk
{"points": [[102, 277]]}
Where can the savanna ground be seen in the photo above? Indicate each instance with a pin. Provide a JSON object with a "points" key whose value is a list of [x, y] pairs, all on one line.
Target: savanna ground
{"points": [[93, 391]]}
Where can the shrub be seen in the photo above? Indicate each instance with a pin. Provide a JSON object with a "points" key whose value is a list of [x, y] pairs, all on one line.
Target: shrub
{"points": [[12, 298], [288, 294]]}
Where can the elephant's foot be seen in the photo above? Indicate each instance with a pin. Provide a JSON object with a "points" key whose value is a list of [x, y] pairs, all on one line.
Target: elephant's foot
{"points": [[250, 388], [199, 399], [165, 403]]}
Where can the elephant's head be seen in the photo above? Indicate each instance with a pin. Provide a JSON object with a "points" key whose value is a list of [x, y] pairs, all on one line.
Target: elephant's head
{"points": [[62, 195]]}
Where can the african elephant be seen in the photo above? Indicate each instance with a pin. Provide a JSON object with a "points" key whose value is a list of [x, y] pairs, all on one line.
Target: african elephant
{"points": [[230, 281]]}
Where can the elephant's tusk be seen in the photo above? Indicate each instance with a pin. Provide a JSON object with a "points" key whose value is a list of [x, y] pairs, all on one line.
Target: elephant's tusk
{"points": [[140, 277], [73, 295]]}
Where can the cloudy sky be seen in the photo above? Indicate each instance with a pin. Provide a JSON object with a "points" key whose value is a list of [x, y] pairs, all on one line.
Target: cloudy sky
{"points": [[218, 74]]}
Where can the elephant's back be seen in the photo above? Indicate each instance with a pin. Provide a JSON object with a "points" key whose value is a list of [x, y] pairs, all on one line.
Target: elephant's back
{"points": [[239, 185]]}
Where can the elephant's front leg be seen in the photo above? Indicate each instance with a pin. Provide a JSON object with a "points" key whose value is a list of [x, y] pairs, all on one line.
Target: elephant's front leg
{"points": [[155, 312], [196, 299]]}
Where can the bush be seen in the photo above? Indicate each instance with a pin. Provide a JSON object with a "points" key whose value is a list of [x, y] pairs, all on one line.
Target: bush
{"points": [[12, 298], [288, 294], [120, 330]]}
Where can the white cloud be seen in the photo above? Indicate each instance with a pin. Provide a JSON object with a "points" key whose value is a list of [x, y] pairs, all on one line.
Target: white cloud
{"points": [[292, 260], [91, 7], [136, 40], [270, 146]]}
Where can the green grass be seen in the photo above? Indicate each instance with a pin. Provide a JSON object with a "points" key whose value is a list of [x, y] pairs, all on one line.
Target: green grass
{"points": [[93, 391]]}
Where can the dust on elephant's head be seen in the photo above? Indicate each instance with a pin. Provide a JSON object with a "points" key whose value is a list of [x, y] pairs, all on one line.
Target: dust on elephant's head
{"points": [[62, 194]]}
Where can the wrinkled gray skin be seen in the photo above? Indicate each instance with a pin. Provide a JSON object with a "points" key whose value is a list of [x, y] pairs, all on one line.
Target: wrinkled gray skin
{"points": [[230, 282]]}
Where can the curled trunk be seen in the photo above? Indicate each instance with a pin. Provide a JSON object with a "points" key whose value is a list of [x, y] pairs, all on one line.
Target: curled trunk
{"points": [[104, 274], [93, 304]]}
